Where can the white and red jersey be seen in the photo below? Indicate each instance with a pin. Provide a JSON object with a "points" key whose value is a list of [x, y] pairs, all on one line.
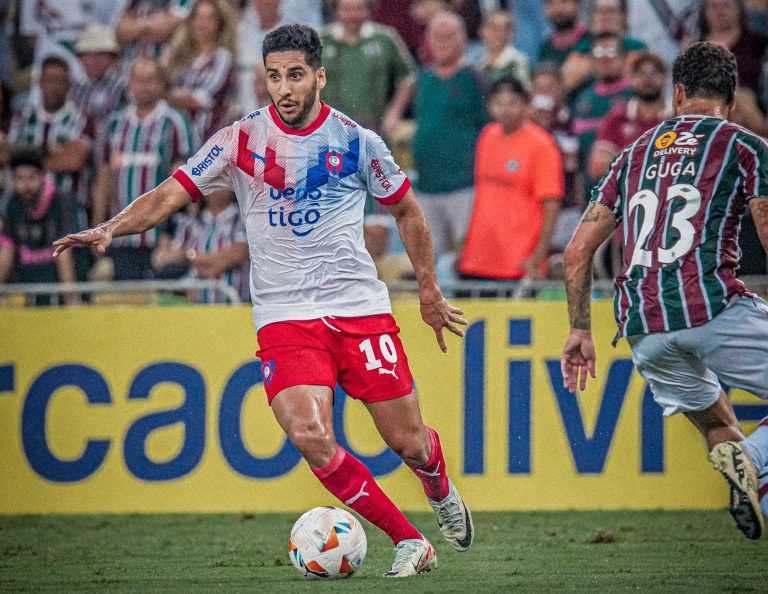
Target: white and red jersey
{"points": [[302, 195]]}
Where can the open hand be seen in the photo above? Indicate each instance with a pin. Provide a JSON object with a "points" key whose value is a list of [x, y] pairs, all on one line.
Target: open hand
{"points": [[99, 238], [441, 314]]}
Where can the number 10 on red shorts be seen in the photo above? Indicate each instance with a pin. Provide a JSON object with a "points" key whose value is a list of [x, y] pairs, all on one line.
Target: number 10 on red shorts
{"points": [[363, 354]]}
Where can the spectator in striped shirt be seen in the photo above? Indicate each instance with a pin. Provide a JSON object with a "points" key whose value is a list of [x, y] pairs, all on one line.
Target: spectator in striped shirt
{"points": [[61, 131], [104, 91], [209, 244], [200, 61], [679, 192], [139, 148]]}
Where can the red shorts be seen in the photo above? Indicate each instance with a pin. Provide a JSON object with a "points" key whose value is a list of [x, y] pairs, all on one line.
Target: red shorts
{"points": [[362, 354]]}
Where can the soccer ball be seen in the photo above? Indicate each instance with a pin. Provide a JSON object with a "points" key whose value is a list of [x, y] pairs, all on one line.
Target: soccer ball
{"points": [[327, 543]]}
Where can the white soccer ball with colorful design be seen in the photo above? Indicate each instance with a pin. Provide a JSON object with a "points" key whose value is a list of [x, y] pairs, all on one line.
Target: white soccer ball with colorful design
{"points": [[327, 543]]}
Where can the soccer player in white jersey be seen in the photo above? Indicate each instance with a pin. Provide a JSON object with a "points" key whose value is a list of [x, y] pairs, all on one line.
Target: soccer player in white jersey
{"points": [[680, 191], [301, 172]]}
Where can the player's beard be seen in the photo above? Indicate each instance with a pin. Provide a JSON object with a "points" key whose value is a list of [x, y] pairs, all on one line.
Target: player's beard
{"points": [[306, 107]]}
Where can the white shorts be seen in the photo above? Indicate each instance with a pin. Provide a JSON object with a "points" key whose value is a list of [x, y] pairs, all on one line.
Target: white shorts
{"points": [[683, 367]]}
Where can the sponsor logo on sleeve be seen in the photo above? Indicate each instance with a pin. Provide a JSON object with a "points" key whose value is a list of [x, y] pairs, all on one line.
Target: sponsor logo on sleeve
{"points": [[345, 121], [380, 175], [200, 168]]}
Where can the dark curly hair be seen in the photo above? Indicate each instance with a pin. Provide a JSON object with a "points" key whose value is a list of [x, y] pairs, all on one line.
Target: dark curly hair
{"points": [[295, 37], [706, 70]]}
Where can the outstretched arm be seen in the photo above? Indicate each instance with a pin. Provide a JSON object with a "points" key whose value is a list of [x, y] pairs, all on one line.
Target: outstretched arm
{"points": [[579, 356], [414, 231], [144, 213]]}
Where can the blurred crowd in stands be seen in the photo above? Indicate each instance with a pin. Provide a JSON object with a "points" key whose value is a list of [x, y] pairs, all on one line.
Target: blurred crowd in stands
{"points": [[504, 114]]}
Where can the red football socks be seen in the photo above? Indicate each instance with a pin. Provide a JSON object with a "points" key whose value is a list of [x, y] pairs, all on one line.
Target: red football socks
{"points": [[353, 484], [433, 475]]}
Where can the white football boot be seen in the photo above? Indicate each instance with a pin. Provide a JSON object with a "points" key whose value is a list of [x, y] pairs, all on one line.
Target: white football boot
{"points": [[412, 557], [454, 519], [737, 467]]}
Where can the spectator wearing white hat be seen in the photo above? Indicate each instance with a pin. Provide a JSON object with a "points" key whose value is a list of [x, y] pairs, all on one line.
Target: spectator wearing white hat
{"points": [[104, 91]]}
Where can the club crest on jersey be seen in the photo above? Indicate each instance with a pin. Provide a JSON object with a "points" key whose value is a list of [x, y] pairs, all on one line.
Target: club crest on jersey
{"points": [[334, 162]]}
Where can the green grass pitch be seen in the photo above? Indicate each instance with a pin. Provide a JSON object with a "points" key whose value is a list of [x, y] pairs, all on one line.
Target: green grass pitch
{"points": [[691, 551]]}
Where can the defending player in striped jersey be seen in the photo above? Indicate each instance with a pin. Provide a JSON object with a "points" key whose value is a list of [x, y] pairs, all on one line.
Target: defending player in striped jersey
{"points": [[301, 172], [679, 192]]}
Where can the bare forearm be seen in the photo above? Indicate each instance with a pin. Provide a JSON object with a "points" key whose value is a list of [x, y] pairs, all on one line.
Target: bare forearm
{"points": [[578, 266], [551, 211], [401, 99], [215, 264], [65, 268], [160, 27], [575, 70], [130, 29], [596, 226], [149, 210], [69, 158], [417, 240], [578, 288], [102, 187], [6, 263], [183, 100]]}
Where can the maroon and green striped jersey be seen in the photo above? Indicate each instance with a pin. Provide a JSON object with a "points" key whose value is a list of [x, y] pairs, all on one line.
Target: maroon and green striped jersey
{"points": [[679, 192], [35, 126], [141, 153]]}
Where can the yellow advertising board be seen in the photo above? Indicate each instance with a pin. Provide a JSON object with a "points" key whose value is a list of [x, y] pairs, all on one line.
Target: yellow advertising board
{"points": [[131, 409]]}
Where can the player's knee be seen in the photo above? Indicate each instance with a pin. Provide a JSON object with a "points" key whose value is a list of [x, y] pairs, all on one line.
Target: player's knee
{"points": [[412, 448], [315, 442]]}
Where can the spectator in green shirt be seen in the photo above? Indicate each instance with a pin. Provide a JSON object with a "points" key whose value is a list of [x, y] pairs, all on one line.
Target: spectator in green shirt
{"points": [[364, 61]]}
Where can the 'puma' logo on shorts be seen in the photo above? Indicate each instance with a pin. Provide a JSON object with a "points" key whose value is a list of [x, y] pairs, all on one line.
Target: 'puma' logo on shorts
{"points": [[390, 372]]}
